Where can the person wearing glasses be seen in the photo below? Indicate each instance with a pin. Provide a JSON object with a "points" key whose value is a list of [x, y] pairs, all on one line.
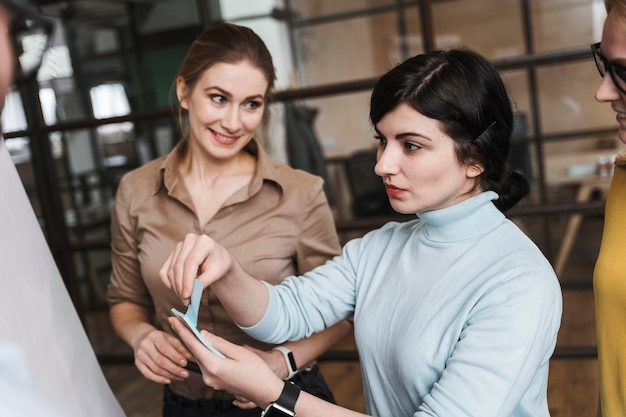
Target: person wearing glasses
{"points": [[47, 365], [456, 313], [609, 276]]}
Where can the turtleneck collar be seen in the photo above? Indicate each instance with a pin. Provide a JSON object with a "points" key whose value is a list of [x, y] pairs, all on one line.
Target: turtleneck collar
{"points": [[466, 220]]}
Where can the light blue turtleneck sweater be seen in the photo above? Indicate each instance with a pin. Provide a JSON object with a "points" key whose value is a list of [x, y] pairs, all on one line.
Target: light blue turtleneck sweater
{"points": [[455, 314]]}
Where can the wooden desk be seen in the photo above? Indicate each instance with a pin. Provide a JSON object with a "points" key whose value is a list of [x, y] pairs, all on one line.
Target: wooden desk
{"points": [[576, 169]]}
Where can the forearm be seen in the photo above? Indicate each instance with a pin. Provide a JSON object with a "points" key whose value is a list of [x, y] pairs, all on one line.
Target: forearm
{"points": [[199, 257], [130, 322], [309, 405], [244, 297]]}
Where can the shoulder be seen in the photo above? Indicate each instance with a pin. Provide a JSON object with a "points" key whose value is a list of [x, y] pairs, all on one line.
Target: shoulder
{"points": [[511, 241], [289, 179], [392, 236], [294, 180], [143, 175], [397, 230], [141, 181], [522, 264], [515, 280]]}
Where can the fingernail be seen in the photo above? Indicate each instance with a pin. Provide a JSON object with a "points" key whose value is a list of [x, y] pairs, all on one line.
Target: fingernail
{"points": [[184, 374]]}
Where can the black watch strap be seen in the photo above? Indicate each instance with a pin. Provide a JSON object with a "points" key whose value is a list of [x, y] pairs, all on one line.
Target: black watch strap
{"points": [[289, 396]]}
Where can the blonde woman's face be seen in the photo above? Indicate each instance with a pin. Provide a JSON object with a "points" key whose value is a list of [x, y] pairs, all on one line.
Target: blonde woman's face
{"points": [[225, 107]]}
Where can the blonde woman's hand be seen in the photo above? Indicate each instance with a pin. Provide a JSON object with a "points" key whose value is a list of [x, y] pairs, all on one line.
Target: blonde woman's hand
{"points": [[161, 357]]}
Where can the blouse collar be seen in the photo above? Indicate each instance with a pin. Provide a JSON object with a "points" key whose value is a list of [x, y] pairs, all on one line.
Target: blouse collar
{"points": [[265, 169]]}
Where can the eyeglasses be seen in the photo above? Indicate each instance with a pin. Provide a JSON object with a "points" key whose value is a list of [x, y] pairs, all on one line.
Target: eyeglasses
{"points": [[31, 36], [618, 72]]}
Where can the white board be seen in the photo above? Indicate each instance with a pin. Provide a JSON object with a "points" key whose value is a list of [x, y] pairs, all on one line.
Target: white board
{"points": [[38, 318]]}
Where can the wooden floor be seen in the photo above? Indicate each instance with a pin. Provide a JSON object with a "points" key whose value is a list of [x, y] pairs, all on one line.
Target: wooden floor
{"points": [[573, 383]]}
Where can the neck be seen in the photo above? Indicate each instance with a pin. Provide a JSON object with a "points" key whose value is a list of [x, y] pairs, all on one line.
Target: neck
{"points": [[196, 165]]}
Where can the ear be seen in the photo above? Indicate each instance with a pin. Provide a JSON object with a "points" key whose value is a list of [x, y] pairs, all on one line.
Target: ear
{"points": [[473, 170], [181, 92]]}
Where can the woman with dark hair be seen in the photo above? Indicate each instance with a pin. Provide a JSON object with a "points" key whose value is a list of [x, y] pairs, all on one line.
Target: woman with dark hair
{"points": [[471, 107], [217, 180], [456, 313]]}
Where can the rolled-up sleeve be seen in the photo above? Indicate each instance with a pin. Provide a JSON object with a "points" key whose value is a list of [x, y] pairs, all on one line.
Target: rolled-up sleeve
{"points": [[318, 240], [126, 283]]}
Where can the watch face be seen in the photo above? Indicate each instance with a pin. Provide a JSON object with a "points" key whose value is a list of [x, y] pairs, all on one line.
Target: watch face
{"points": [[292, 362], [274, 410]]}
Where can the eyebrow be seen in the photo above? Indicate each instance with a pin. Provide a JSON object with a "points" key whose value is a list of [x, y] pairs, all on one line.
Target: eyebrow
{"points": [[411, 135], [616, 63], [405, 135], [229, 95]]}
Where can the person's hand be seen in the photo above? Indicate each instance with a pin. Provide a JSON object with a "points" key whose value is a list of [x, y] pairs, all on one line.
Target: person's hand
{"points": [[244, 403], [243, 373], [161, 357], [197, 256], [274, 359]]}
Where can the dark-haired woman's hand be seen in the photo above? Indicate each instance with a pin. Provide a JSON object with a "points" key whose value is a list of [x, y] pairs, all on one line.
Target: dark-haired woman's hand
{"points": [[197, 256], [243, 373]]}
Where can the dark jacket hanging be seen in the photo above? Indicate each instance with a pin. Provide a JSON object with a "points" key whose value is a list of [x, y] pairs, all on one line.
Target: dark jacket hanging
{"points": [[303, 148]]}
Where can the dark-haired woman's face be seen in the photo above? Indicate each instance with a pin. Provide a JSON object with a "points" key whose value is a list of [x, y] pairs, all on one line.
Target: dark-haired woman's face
{"points": [[418, 164]]}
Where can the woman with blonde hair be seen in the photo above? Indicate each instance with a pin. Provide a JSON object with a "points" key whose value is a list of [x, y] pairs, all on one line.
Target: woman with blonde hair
{"points": [[217, 180]]}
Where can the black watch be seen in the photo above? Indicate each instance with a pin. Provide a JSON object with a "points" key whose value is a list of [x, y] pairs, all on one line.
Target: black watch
{"points": [[285, 405]]}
